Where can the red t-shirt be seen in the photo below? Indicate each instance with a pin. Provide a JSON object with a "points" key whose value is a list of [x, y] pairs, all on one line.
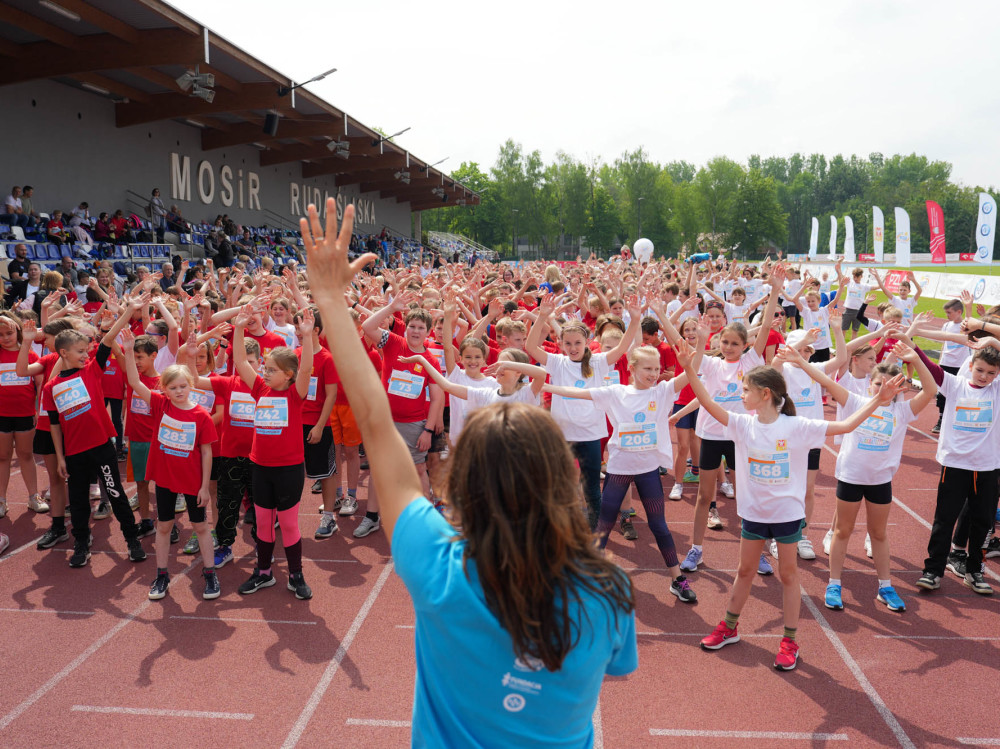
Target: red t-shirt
{"points": [[590, 321], [268, 341], [114, 379], [175, 459], [17, 394], [774, 338], [237, 415], [79, 400], [277, 425], [405, 383], [49, 362], [323, 374], [140, 425], [373, 357], [668, 360]]}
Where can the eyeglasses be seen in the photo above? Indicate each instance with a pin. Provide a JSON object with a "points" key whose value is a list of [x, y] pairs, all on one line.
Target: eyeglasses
{"points": [[271, 371]]}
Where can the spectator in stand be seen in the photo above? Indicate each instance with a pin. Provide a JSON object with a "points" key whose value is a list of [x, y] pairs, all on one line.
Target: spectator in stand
{"points": [[51, 281], [103, 230], [168, 280], [13, 211], [67, 266], [176, 222], [28, 206], [122, 233], [157, 214], [80, 216], [17, 269], [229, 226], [55, 231], [246, 245], [21, 290]]}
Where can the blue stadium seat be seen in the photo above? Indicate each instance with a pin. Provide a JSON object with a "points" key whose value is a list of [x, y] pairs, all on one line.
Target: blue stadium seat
{"points": [[54, 252], [120, 252], [66, 251]]}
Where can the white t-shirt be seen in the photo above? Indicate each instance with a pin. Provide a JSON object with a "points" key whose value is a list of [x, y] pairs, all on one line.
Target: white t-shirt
{"points": [[724, 382], [459, 407], [818, 319], [771, 465], [640, 442], [578, 419], [870, 454], [806, 393], [286, 331], [858, 385], [953, 354], [479, 397], [906, 305], [791, 289], [969, 438], [12, 202], [164, 359], [856, 293], [737, 313]]}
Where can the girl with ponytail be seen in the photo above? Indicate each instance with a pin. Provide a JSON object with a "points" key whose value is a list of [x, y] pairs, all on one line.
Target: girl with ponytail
{"points": [[772, 448]]}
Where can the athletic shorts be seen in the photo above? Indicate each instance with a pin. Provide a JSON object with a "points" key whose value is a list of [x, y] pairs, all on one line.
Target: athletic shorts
{"points": [[813, 464], [439, 440], [345, 428], [687, 421], [166, 502], [138, 452], [877, 494], [318, 457], [9, 424], [42, 443], [789, 532], [820, 355], [713, 451], [791, 311], [410, 432]]}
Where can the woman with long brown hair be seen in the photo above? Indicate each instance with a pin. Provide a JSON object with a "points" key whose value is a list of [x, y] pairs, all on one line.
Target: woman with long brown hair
{"points": [[513, 598]]}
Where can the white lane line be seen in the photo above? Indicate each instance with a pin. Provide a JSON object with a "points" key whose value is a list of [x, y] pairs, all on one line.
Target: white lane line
{"points": [[161, 713], [928, 436], [53, 682], [378, 723], [936, 637], [859, 675], [749, 734], [977, 742], [598, 726], [48, 611], [234, 619], [405, 626], [19, 549], [331, 670]]}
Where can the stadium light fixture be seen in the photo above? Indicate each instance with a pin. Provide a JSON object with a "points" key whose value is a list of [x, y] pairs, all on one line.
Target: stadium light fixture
{"points": [[286, 90], [382, 139], [55, 8], [429, 166], [339, 145], [206, 94], [194, 78]]}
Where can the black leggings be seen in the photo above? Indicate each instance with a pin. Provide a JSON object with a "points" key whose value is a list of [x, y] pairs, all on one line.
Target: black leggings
{"points": [[974, 492], [234, 482], [100, 463], [941, 398], [115, 404], [651, 493]]}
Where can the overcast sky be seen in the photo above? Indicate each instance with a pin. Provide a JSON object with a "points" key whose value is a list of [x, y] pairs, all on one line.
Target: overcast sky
{"points": [[683, 80]]}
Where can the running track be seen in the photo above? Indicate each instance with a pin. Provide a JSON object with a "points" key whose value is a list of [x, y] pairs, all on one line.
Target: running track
{"points": [[85, 654]]}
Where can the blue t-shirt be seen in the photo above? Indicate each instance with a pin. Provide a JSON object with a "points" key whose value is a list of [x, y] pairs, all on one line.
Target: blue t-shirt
{"points": [[471, 690]]}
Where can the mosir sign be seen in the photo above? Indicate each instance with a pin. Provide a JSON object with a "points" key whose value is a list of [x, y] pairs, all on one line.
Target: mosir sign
{"points": [[244, 194]]}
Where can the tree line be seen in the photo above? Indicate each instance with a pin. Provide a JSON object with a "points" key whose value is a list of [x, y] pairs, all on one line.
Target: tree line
{"points": [[756, 207]]}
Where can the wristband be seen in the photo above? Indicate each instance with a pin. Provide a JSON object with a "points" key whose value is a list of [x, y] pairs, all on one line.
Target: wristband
{"points": [[429, 431]]}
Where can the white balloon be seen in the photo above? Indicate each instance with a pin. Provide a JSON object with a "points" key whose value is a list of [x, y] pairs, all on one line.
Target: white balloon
{"points": [[643, 249]]}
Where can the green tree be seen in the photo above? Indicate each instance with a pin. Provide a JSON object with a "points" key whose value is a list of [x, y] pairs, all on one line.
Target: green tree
{"points": [[757, 218]]}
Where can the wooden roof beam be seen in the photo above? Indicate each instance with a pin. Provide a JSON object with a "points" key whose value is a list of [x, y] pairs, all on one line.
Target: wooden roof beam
{"points": [[39, 27], [252, 132], [103, 20], [174, 105], [115, 87], [337, 165]]}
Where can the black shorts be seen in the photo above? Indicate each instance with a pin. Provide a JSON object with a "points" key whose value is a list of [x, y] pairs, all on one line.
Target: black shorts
{"points": [[820, 355], [43, 444], [813, 464], [687, 421], [319, 459], [713, 451], [877, 494], [10, 424], [166, 501], [217, 465]]}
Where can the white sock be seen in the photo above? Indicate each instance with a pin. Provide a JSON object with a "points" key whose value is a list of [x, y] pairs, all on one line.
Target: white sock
{"points": [[696, 547], [885, 583], [834, 581]]}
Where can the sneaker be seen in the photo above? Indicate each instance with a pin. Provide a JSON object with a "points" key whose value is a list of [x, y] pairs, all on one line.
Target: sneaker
{"points": [[159, 587], [772, 548], [805, 549], [52, 537], [317, 487], [992, 548], [192, 546], [81, 554], [223, 555], [4, 543], [957, 560], [663, 471], [788, 654], [297, 584], [175, 535], [764, 567], [122, 455], [628, 530], [135, 551], [256, 582], [215, 540], [868, 546], [692, 560], [676, 492], [891, 599], [727, 488], [37, 504], [95, 491], [936, 429], [720, 637], [929, 581], [690, 478], [327, 526], [366, 527], [681, 588], [212, 587], [714, 521], [977, 582], [181, 504], [103, 511], [827, 540], [133, 502], [3, 508], [349, 505], [833, 599]]}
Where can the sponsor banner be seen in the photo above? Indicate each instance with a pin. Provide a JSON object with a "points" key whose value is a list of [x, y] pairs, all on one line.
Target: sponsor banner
{"points": [[934, 285], [935, 219], [866, 257], [966, 257], [833, 236], [985, 228], [849, 240], [879, 223], [814, 238], [902, 237]]}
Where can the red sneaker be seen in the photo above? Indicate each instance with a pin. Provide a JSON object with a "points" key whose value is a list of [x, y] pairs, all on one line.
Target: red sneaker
{"points": [[788, 655], [720, 637]]}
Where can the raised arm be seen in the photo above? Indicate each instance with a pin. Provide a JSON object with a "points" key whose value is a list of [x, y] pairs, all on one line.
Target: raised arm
{"points": [[22, 367], [239, 352], [532, 346], [306, 362], [460, 391], [634, 323], [792, 356], [886, 393], [685, 357], [767, 316], [131, 372], [537, 374], [567, 391], [173, 339]]}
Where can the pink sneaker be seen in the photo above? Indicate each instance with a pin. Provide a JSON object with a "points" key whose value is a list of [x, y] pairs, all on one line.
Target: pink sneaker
{"points": [[720, 637], [788, 655]]}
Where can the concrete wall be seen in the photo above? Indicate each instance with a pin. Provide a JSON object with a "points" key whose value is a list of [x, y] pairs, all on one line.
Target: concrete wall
{"points": [[65, 144]]}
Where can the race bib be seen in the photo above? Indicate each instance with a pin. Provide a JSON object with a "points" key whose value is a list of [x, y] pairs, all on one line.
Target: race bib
{"points": [[71, 397], [138, 406], [973, 415], [637, 436], [271, 415], [9, 378], [204, 398], [406, 384], [613, 377], [313, 383], [730, 395], [769, 468], [176, 437], [855, 294], [242, 409], [875, 433]]}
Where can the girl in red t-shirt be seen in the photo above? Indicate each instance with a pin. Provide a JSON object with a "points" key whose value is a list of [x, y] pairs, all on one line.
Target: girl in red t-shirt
{"points": [[277, 454], [180, 462], [17, 416]]}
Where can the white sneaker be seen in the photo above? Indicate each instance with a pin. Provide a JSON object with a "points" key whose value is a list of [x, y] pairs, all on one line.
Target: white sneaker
{"points": [[133, 502], [868, 545], [37, 504], [95, 491], [366, 527], [827, 540], [180, 505], [805, 548], [772, 548], [676, 492], [727, 489], [349, 505]]}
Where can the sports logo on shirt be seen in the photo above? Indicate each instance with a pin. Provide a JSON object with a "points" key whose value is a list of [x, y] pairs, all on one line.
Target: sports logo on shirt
{"points": [[781, 445], [639, 418], [514, 703], [651, 406]]}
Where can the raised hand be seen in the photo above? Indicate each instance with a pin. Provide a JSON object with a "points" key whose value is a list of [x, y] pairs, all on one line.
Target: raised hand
{"points": [[684, 354], [126, 339], [308, 322], [890, 389], [811, 336]]}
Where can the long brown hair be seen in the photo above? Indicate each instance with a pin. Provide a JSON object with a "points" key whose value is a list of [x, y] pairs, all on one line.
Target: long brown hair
{"points": [[771, 378], [514, 488], [575, 326]]}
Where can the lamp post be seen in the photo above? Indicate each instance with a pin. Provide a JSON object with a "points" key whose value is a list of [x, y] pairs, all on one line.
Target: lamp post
{"points": [[513, 237]]}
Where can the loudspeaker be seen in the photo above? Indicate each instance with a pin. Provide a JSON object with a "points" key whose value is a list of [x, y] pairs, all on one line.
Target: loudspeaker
{"points": [[271, 124]]}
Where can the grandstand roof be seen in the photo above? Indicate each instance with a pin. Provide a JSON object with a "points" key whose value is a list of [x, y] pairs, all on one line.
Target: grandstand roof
{"points": [[131, 51]]}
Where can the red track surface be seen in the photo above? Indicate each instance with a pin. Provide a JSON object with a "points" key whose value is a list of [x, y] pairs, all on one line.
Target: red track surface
{"points": [[82, 650]]}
